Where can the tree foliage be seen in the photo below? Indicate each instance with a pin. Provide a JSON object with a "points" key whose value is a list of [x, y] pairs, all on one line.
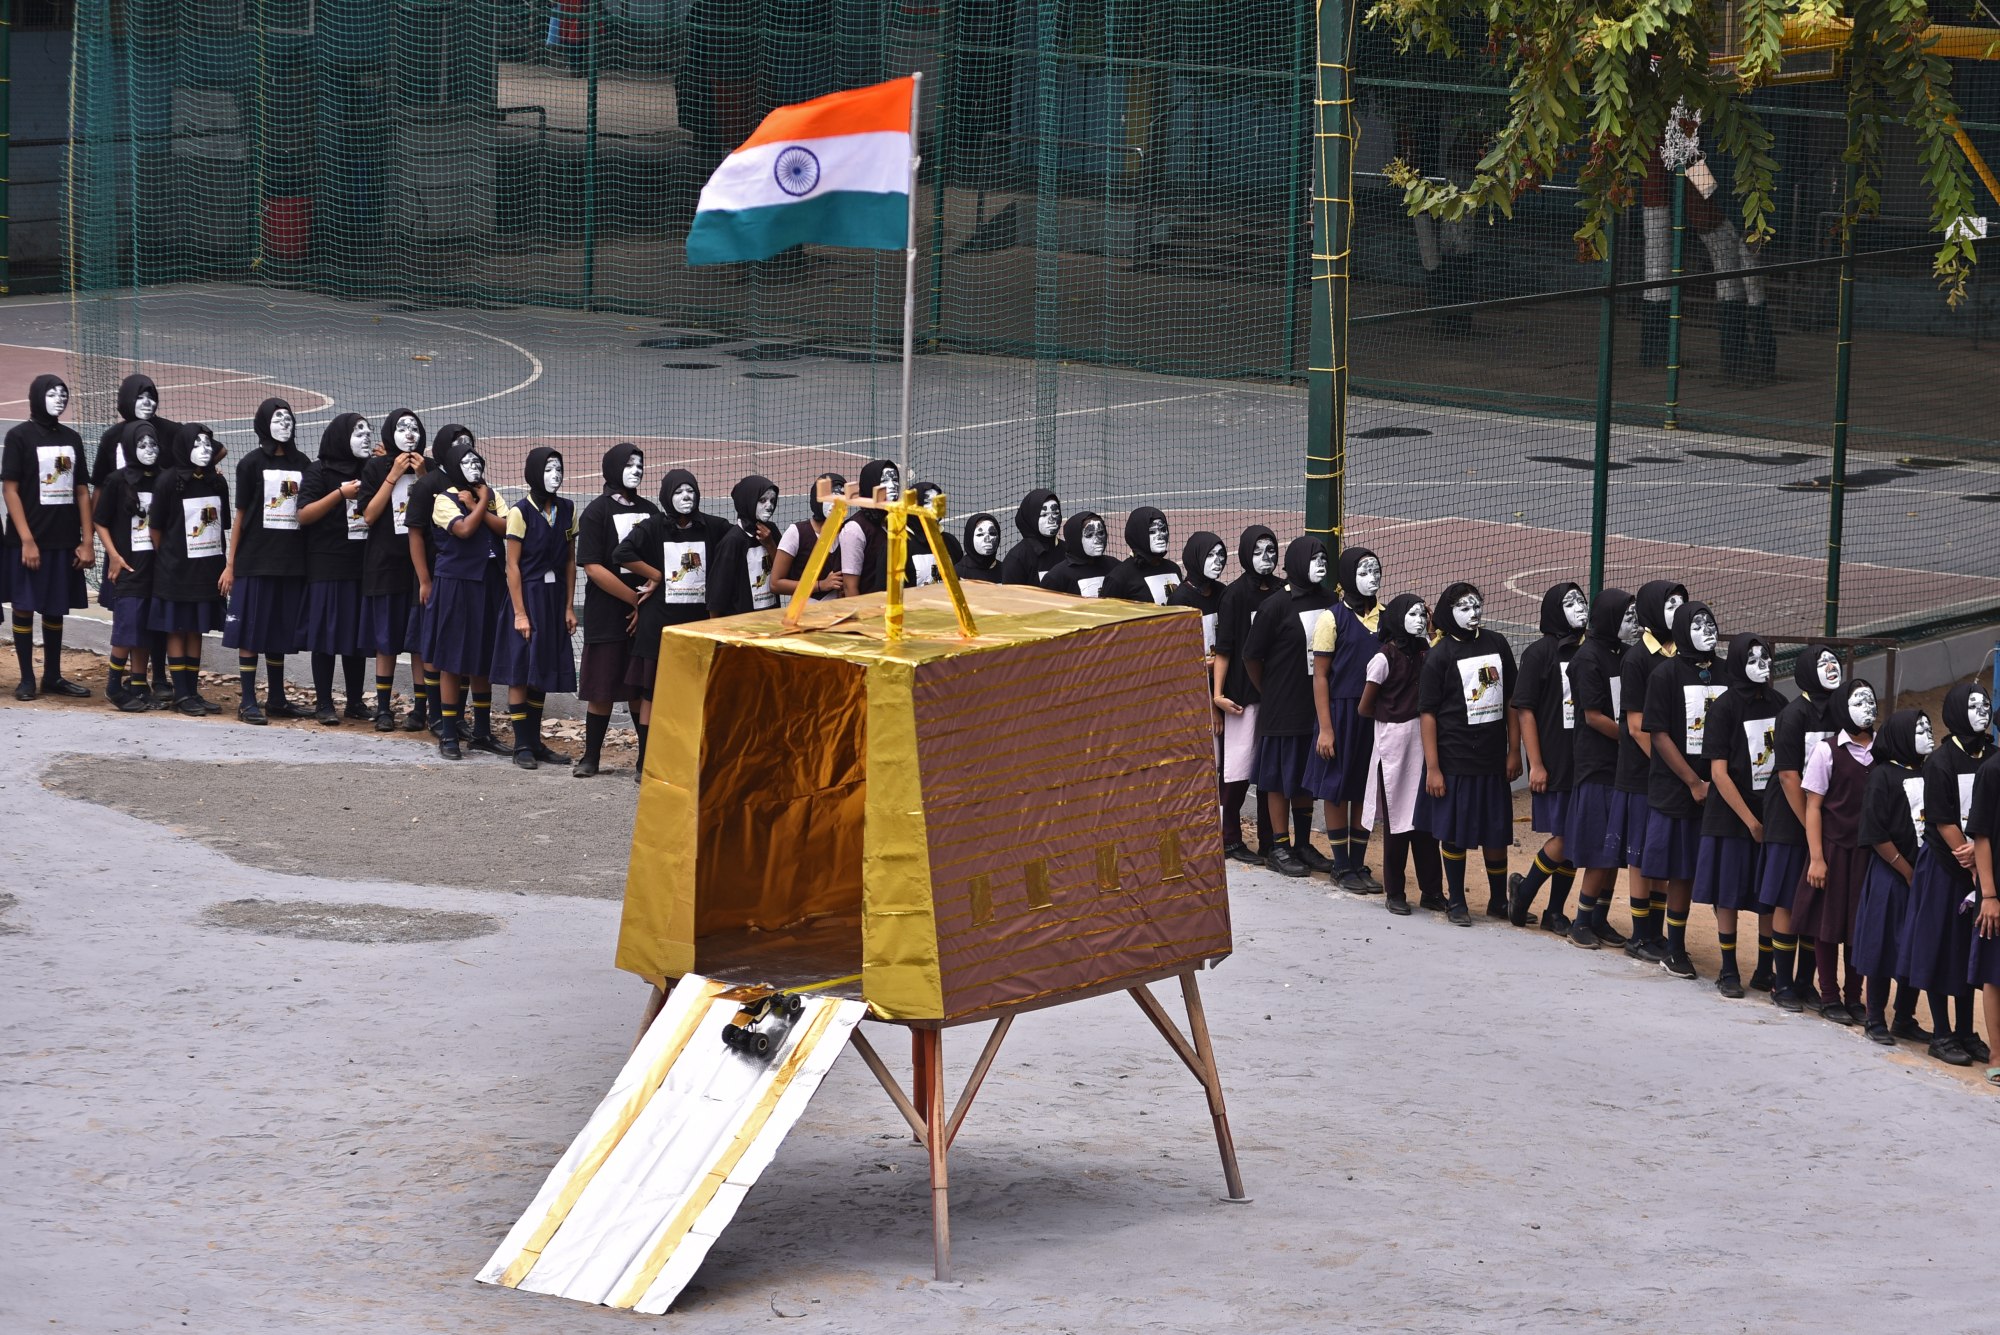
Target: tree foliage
{"points": [[1594, 82]]}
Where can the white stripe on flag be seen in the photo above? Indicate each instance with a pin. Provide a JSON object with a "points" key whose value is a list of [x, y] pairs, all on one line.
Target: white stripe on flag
{"points": [[876, 163]]}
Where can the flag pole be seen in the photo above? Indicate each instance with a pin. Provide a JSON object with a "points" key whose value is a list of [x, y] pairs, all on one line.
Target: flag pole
{"points": [[910, 269]]}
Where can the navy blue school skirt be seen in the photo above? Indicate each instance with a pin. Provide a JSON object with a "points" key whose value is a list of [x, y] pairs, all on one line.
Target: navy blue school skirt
{"points": [[178, 618], [1282, 763], [543, 661], [129, 620], [1634, 813], [1593, 829], [1983, 968], [264, 614], [1476, 811], [1780, 867], [1353, 748], [1725, 872], [1672, 846], [332, 620], [386, 619], [1548, 813], [1878, 921], [458, 627], [1934, 944], [53, 590]]}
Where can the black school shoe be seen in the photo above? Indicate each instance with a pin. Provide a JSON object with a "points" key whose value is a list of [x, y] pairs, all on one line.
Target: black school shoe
{"points": [[1948, 1051], [1519, 899], [192, 706], [1242, 852], [247, 712], [1431, 903], [1764, 979], [415, 721], [74, 690], [1581, 936], [1606, 934], [327, 716], [1973, 1046], [1907, 1027], [548, 755], [1839, 1014], [1879, 1033], [1553, 920], [1364, 881], [583, 769], [525, 758], [1458, 915], [1786, 1000], [1399, 906], [1677, 963], [449, 748], [488, 743], [358, 711], [1729, 985], [385, 720], [137, 700], [26, 690], [1312, 859], [1284, 860], [1496, 905], [279, 707]]}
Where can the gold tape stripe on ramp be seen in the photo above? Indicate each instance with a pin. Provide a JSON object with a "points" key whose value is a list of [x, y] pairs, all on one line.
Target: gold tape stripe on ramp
{"points": [[718, 1172], [635, 1103]]}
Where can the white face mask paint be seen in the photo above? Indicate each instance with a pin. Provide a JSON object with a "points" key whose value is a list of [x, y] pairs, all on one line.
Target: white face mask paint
{"points": [[1979, 712], [767, 507], [632, 474], [1575, 610], [1050, 518], [361, 441], [552, 476], [405, 434], [54, 399], [1316, 570], [985, 538], [1861, 707], [1757, 667], [1416, 621], [473, 468], [1828, 672], [1264, 556], [892, 484], [147, 451], [1628, 625], [926, 494], [1702, 633], [1368, 577], [683, 500], [1156, 537], [1094, 537], [282, 425], [1672, 607], [1469, 611], [144, 407], [1926, 743], [202, 453], [1216, 562]]}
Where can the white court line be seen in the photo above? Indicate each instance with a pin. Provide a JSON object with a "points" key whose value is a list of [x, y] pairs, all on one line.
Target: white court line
{"points": [[1004, 421]]}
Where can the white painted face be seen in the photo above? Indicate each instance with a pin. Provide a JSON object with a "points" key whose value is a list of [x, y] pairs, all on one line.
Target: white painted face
{"points": [[1469, 611], [283, 424], [927, 493], [1050, 519], [1757, 666], [1095, 537], [985, 538], [1926, 743], [144, 407], [1368, 577], [1628, 625], [1861, 707], [1673, 607], [54, 399], [361, 441], [1828, 672], [767, 506], [147, 450], [1416, 621], [892, 484], [1979, 711], [1316, 569], [1702, 633], [1215, 562], [474, 469], [1576, 610], [552, 476], [1264, 556], [683, 499], [632, 474], [202, 453], [1156, 536], [405, 434]]}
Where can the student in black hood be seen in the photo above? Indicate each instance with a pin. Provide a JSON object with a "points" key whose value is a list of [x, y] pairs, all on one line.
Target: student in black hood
{"points": [[123, 517], [468, 598], [1892, 827], [423, 561], [388, 581], [1592, 832], [741, 579], [1204, 559], [48, 546], [1147, 575], [265, 579], [1278, 653], [138, 401], [189, 523], [1835, 780], [923, 562], [1038, 519], [1545, 713], [864, 542], [531, 650], [1934, 948], [612, 595], [1343, 643], [336, 527], [1472, 748], [1086, 563], [673, 551], [1658, 603], [1982, 823], [1396, 758], [796, 547], [981, 562], [1781, 860], [1739, 756], [1678, 695], [1235, 696]]}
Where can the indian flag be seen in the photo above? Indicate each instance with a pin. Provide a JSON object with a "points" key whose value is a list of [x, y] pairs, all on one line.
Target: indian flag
{"points": [[835, 171]]}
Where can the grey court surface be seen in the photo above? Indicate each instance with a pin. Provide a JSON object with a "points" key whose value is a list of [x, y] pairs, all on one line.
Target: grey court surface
{"points": [[214, 1121], [1496, 498]]}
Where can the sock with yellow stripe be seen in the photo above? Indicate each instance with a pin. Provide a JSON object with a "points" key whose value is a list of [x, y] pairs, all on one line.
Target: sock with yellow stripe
{"points": [[1454, 874], [1543, 868], [114, 676], [1677, 934], [1642, 919], [383, 686], [24, 644], [482, 713], [246, 677], [1785, 961], [1726, 941], [1496, 882], [1559, 884], [517, 716]]}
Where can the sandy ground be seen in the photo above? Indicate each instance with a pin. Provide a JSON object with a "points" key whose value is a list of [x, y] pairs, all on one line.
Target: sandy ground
{"points": [[214, 1122]]}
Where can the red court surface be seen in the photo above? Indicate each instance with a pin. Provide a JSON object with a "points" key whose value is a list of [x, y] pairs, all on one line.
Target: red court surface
{"points": [[215, 395]]}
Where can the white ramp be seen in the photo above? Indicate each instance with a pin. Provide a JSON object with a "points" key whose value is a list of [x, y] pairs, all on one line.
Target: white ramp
{"points": [[656, 1174]]}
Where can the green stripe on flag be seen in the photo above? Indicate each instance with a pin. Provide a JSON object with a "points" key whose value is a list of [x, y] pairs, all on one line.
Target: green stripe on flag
{"points": [[865, 220]]}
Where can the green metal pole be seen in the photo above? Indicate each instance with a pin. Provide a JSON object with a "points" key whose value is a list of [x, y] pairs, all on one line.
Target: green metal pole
{"points": [[1333, 217], [1674, 305], [1600, 468], [944, 127], [590, 156], [6, 138], [1842, 357], [1292, 194]]}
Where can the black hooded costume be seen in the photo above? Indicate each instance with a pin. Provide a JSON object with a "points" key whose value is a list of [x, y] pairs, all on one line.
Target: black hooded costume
{"points": [[1936, 947], [922, 561], [337, 540], [1469, 675], [1802, 724], [681, 546], [1542, 689], [110, 456], [190, 523], [1240, 601], [44, 460], [386, 571], [608, 520], [741, 578], [1147, 575], [1031, 559], [1280, 640], [1892, 813], [1678, 695], [425, 491], [124, 508], [864, 543], [1635, 670], [1079, 573], [270, 544], [1198, 588], [1594, 688], [980, 567], [1741, 731]]}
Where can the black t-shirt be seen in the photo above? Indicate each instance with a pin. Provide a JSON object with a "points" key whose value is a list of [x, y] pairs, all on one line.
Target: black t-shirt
{"points": [[1949, 772], [385, 557], [1233, 621], [124, 507], [1142, 579], [1801, 726], [741, 579], [1740, 731], [1466, 684], [683, 551], [191, 516], [337, 541], [607, 521], [1678, 696], [1983, 821], [46, 464], [1634, 670], [1543, 690], [1281, 639], [272, 542], [423, 501], [1190, 593], [1593, 687], [1892, 809]]}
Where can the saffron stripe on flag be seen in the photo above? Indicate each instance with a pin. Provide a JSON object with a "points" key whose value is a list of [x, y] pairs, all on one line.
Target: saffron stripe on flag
{"points": [[882, 106], [840, 218]]}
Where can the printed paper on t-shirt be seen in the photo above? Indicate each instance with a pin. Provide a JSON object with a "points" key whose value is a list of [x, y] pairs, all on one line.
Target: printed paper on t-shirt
{"points": [[1310, 621], [201, 520], [1162, 584], [1695, 700], [1913, 793], [281, 499], [623, 525], [1208, 634], [1760, 737], [685, 567], [1569, 702], [56, 471], [399, 504], [1479, 681], [1617, 700], [1964, 798], [762, 595], [357, 527], [1089, 585], [925, 565], [142, 528]]}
